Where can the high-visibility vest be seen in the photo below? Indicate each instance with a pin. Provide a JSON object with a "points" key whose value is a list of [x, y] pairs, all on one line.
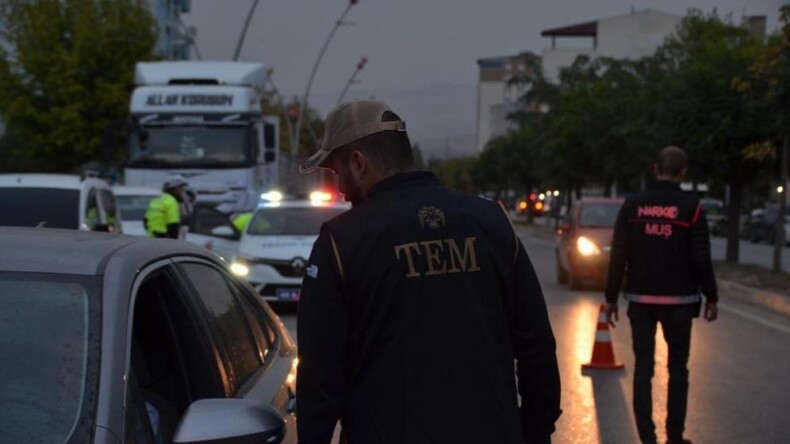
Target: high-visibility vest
{"points": [[241, 221], [162, 211]]}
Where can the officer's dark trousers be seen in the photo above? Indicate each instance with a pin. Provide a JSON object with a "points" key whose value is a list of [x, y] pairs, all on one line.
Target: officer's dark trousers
{"points": [[676, 324]]}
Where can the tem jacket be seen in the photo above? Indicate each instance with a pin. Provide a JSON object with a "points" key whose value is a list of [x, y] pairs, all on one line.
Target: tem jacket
{"points": [[414, 306], [661, 246]]}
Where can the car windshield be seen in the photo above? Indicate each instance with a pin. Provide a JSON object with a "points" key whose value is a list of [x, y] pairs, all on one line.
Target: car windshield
{"points": [[49, 370], [45, 207], [133, 207], [599, 215], [291, 220], [199, 146]]}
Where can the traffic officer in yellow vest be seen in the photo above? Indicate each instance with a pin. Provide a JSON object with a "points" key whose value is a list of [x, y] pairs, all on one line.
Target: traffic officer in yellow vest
{"points": [[241, 221], [163, 218]]}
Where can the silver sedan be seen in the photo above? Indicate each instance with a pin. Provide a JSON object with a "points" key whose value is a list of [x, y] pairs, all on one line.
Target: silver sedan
{"points": [[118, 339]]}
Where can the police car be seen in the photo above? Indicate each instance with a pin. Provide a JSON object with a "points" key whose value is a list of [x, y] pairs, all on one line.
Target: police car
{"points": [[274, 247]]}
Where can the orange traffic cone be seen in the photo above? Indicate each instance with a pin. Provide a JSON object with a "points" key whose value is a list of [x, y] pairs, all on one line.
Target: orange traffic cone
{"points": [[603, 353]]}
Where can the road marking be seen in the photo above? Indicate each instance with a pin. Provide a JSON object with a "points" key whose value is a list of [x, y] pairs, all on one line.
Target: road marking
{"points": [[755, 318]]}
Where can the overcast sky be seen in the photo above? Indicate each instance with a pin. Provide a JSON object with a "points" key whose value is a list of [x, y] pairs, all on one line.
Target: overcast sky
{"points": [[409, 43]]}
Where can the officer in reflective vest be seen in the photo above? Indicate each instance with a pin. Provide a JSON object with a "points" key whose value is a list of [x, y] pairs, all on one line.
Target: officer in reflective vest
{"points": [[661, 247], [241, 221], [163, 218]]}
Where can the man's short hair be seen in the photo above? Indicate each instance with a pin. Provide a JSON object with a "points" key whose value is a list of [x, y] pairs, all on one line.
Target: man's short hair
{"points": [[389, 151], [671, 161]]}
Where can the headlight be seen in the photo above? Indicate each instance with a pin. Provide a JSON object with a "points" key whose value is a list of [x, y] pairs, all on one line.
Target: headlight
{"points": [[586, 247], [239, 268]]}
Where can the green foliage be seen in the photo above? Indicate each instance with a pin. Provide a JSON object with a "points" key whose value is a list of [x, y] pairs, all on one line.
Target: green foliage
{"points": [[456, 173], [67, 74]]}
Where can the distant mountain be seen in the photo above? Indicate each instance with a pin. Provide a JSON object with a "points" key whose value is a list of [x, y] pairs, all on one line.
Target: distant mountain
{"points": [[440, 118]]}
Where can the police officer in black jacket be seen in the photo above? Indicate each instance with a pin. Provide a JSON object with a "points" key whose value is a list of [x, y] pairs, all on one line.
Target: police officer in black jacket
{"points": [[415, 304], [661, 246]]}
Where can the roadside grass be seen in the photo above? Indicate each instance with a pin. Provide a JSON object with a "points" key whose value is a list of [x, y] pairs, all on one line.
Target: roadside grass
{"points": [[754, 276]]}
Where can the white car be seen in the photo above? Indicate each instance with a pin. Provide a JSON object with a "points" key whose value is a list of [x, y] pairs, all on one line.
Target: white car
{"points": [[274, 248], [133, 202], [58, 201]]}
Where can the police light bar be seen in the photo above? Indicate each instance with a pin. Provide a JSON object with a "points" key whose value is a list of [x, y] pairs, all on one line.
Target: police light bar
{"points": [[272, 196], [320, 196]]}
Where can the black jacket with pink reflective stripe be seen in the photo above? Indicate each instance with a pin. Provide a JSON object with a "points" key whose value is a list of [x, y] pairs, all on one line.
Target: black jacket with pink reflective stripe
{"points": [[661, 246]]}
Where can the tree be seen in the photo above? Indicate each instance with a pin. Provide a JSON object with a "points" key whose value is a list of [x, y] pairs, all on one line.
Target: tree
{"points": [[704, 109], [456, 173], [67, 75]]}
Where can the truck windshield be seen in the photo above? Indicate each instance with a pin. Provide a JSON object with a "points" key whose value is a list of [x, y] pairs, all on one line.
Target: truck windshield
{"points": [[191, 146]]}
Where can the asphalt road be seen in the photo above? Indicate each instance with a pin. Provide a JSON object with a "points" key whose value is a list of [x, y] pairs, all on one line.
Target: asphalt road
{"points": [[740, 390]]}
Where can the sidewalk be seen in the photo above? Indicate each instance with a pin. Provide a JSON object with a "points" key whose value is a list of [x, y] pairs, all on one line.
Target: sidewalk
{"points": [[772, 301]]}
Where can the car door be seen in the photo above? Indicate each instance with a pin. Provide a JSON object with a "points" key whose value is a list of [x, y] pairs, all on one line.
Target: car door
{"points": [[212, 229], [109, 210], [91, 219]]}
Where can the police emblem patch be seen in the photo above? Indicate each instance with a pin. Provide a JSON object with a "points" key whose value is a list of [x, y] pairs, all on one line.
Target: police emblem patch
{"points": [[431, 217]]}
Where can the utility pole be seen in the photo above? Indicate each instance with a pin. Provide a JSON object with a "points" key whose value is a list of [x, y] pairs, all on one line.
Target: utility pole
{"points": [[779, 226]]}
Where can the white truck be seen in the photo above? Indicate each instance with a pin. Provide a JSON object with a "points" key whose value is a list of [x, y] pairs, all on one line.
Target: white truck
{"points": [[204, 121]]}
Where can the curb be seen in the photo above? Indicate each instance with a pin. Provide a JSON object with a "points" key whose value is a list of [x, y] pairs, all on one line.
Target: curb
{"points": [[766, 299]]}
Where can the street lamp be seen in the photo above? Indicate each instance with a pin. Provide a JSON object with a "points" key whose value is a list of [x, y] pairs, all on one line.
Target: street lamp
{"points": [[244, 30], [303, 105], [360, 66]]}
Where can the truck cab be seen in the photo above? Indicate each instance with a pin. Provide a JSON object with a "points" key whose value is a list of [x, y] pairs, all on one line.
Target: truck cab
{"points": [[204, 121]]}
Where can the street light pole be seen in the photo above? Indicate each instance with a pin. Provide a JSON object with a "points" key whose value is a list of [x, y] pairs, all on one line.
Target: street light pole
{"points": [[360, 66], [244, 30], [303, 104]]}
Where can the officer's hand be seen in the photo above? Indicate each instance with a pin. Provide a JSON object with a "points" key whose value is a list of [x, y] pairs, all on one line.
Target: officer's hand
{"points": [[711, 311], [612, 315]]}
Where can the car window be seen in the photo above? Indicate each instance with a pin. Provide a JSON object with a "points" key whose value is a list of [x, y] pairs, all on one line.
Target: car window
{"points": [[291, 220], [598, 215], [229, 321], [141, 418], [171, 355], [49, 343], [46, 207]]}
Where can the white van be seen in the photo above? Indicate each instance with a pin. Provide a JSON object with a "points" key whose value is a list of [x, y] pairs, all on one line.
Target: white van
{"points": [[133, 203], [58, 201]]}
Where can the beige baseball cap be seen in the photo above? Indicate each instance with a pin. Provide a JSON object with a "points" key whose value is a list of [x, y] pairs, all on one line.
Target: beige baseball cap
{"points": [[349, 122]]}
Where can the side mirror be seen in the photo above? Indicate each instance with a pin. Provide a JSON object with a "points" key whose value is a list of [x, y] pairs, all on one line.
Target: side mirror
{"points": [[230, 421], [223, 231]]}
